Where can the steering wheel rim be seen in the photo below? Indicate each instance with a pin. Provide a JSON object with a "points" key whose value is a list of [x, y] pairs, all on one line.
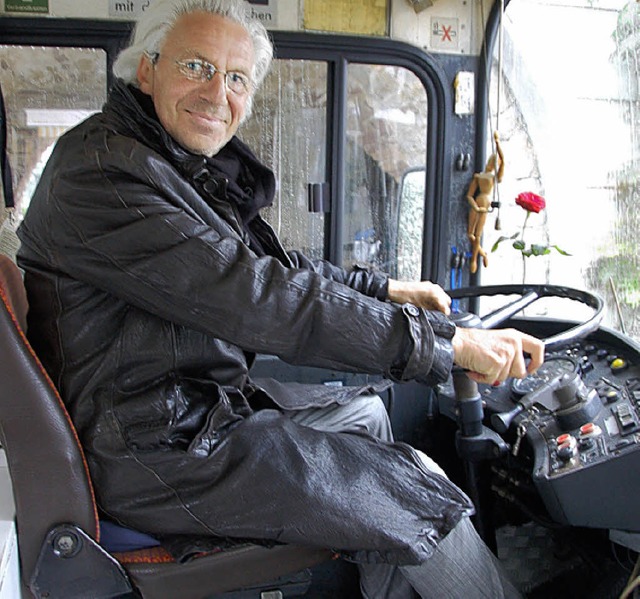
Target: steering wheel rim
{"points": [[530, 294]]}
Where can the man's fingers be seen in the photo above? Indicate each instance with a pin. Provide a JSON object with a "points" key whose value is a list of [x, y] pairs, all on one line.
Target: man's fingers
{"points": [[423, 294], [535, 348], [518, 367], [477, 377], [443, 304], [494, 356]]}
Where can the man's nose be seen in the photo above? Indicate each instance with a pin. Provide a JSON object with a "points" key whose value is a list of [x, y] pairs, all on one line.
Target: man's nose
{"points": [[216, 88]]}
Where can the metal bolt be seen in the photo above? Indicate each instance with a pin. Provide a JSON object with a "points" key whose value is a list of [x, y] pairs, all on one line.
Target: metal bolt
{"points": [[66, 544]]}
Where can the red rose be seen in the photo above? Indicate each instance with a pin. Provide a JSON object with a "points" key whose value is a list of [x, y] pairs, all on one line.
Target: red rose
{"points": [[531, 201]]}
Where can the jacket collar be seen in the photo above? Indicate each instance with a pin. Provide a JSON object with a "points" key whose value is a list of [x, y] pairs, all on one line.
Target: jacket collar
{"points": [[237, 174]]}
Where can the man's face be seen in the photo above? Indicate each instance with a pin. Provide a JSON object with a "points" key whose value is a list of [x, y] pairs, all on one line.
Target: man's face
{"points": [[202, 116]]}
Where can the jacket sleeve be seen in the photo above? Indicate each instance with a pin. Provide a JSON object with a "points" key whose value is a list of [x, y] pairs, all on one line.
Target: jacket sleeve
{"points": [[361, 278], [114, 215]]}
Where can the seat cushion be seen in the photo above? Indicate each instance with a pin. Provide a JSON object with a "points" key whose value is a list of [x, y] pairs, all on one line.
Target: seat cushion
{"points": [[119, 539]]}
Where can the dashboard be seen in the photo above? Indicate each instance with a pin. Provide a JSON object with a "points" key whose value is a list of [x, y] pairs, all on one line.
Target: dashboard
{"points": [[572, 432]]}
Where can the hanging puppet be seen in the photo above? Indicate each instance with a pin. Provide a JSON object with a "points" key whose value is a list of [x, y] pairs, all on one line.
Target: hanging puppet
{"points": [[480, 204]]}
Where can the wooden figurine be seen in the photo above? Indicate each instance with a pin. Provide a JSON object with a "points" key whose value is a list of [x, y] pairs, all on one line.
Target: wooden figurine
{"points": [[481, 203]]}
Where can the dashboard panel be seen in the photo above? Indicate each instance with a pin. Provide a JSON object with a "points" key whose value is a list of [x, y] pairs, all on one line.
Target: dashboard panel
{"points": [[573, 432]]}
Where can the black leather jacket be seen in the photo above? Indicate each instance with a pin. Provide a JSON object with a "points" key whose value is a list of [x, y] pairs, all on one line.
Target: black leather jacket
{"points": [[151, 289]]}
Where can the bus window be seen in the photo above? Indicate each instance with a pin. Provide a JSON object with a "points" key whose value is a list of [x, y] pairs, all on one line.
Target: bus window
{"points": [[410, 221], [386, 136], [47, 90], [564, 99], [287, 130], [383, 135]]}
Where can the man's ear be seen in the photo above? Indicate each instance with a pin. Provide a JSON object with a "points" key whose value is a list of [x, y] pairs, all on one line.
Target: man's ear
{"points": [[144, 74]]}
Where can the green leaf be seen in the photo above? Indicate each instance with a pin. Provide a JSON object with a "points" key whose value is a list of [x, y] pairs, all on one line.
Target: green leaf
{"points": [[502, 238], [560, 251], [539, 250], [519, 244]]}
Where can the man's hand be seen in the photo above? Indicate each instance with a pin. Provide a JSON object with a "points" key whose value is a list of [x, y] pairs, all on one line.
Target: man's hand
{"points": [[491, 356], [423, 294]]}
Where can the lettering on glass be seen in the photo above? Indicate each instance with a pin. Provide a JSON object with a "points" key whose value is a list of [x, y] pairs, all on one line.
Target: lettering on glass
{"points": [[128, 8], [264, 10]]}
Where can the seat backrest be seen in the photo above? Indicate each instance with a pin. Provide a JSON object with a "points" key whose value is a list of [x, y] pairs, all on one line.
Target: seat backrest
{"points": [[52, 486], [49, 474]]}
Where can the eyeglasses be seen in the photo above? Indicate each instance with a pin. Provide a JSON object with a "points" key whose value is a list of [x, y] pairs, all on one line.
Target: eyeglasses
{"points": [[197, 69]]}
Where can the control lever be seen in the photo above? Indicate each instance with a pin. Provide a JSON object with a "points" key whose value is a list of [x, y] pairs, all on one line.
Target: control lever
{"points": [[475, 444], [474, 441], [566, 397], [502, 421]]}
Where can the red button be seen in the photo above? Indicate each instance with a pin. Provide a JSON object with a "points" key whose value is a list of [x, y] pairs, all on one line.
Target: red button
{"points": [[587, 429], [590, 430]]}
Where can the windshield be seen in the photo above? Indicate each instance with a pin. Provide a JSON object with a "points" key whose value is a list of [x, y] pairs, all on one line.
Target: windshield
{"points": [[564, 99]]}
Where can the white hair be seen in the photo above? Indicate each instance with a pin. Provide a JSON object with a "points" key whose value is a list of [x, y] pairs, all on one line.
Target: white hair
{"points": [[159, 19]]}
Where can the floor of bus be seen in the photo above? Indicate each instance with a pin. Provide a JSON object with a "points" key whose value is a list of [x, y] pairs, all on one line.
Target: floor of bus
{"points": [[539, 565]]}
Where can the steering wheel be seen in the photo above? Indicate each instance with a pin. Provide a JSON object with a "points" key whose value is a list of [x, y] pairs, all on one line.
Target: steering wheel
{"points": [[528, 295]]}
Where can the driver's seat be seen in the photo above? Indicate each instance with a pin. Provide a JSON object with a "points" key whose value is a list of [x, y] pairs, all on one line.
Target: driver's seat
{"points": [[55, 510]]}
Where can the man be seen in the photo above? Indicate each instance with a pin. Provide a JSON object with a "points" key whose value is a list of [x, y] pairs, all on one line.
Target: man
{"points": [[153, 281]]}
